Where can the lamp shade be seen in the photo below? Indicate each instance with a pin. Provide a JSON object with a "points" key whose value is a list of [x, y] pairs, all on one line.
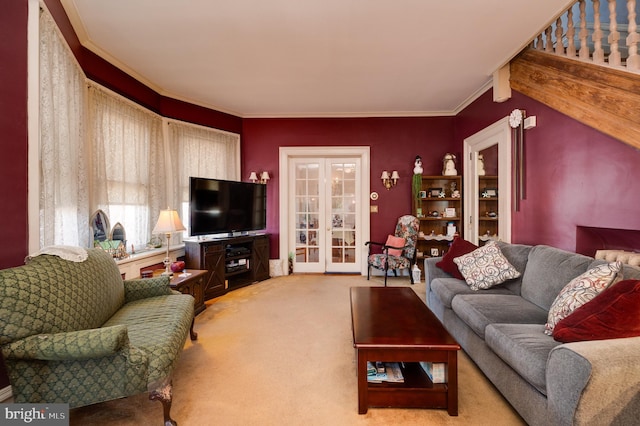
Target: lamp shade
{"points": [[385, 175], [394, 175], [253, 177], [169, 221], [265, 176]]}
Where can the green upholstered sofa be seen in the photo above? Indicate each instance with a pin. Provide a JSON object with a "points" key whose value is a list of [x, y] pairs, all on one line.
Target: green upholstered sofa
{"points": [[75, 332]]}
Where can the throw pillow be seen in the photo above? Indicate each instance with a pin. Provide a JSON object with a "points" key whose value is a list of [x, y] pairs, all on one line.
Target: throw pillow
{"points": [[579, 291], [485, 267], [611, 315], [395, 242], [459, 247]]}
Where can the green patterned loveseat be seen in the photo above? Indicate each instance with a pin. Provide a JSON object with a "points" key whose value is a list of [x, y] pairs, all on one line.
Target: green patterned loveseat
{"points": [[75, 332]]}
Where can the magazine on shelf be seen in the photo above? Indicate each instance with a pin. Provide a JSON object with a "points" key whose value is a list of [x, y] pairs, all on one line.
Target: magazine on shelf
{"points": [[392, 373], [435, 371]]}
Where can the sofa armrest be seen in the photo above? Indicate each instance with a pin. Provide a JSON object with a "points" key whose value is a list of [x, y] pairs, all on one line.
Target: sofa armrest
{"points": [[594, 382], [142, 288], [69, 346]]}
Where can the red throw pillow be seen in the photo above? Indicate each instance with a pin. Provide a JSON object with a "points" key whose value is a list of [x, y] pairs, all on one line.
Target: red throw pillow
{"points": [[610, 315], [459, 247], [395, 242]]}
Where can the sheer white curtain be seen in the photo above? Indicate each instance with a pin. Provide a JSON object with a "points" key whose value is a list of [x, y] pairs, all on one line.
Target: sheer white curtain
{"points": [[128, 163], [200, 152], [64, 190], [99, 150]]}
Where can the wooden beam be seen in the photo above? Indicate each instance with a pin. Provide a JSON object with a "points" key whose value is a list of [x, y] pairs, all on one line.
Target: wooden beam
{"points": [[604, 98]]}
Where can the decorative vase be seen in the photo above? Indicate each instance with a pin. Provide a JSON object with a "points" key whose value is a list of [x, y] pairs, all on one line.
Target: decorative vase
{"points": [[177, 266]]}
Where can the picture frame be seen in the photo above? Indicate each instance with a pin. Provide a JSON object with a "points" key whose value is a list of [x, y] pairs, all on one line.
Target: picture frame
{"points": [[422, 194], [435, 252], [118, 233], [435, 192], [489, 193], [100, 227]]}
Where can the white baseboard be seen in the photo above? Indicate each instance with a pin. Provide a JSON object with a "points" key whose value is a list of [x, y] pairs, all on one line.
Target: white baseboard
{"points": [[5, 393]]}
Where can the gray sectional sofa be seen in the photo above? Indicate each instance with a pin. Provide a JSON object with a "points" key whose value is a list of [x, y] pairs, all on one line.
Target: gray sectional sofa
{"points": [[502, 330]]}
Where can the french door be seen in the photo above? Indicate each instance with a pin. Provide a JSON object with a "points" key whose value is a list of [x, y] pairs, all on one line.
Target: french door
{"points": [[326, 224]]}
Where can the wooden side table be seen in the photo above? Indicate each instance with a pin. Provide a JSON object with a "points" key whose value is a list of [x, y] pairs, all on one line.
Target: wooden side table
{"points": [[193, 283]]}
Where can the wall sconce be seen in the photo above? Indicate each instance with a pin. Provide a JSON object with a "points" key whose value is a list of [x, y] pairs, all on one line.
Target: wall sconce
{"points": [[264, 177], [389, 181]]}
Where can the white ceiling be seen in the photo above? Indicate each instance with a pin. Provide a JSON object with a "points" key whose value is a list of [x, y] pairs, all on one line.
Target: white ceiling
{"points": [[292, 58]]}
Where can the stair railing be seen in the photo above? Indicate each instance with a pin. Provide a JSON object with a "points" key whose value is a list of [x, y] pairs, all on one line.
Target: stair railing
{"points": [[601, 32]]}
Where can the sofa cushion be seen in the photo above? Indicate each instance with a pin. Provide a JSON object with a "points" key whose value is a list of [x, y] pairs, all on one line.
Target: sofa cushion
{"points": [[447, 288], [525, 348], [158, 326], [517, 255], [548, 270], [459, 247], [581, 290], [485, 267], [611, 315], [480, 310]]}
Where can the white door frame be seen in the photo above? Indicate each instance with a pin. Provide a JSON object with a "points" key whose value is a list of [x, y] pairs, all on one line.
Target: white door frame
{"points": [[287, 242], [499, 133]]}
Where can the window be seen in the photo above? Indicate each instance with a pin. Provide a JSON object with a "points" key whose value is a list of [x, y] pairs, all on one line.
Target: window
{"points": [[128, 163], [63, 183], [201, 152], [99, 150]]}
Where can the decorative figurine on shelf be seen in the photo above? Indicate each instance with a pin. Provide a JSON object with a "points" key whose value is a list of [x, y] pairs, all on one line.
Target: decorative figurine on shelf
{"points": [[449, 165], [417, 166], [481, 171]]}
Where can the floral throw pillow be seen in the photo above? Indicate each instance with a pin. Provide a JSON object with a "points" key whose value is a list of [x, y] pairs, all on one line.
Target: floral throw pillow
{"points": [[581, 290], [485, 267]]}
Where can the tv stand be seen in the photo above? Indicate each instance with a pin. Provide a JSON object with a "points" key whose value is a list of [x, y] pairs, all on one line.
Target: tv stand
{"points": [[232, 262]]}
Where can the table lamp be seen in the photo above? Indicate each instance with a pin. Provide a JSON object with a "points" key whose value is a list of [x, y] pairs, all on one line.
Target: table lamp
{"points": [[168, 222]]}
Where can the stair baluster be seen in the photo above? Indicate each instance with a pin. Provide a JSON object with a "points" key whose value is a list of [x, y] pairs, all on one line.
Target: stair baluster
{"points": [[571, 32], [598, 51], [633, 61], [584, 33], [614, 36]]}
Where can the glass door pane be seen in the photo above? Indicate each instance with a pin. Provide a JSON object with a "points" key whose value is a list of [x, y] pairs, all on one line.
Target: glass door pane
{"points": [[343, 234], [307, 214]]}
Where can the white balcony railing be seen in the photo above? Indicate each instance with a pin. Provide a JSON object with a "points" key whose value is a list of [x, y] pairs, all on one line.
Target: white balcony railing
{"points": [[601, 32]]}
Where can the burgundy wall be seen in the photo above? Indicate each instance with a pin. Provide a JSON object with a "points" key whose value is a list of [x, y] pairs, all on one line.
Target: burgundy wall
{"points": [[13, 133], [394, 144], [13, 140], [576, 176]]}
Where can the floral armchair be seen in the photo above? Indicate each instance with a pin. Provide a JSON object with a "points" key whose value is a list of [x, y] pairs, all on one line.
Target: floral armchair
{"points": [[398, 252]]}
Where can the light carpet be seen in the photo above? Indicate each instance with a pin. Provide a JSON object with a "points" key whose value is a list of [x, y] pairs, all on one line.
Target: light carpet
{"points": [[280, 352]]}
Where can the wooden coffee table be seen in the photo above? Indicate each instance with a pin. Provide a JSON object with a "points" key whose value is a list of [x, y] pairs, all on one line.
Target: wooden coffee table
{"points": [[392, 324]]}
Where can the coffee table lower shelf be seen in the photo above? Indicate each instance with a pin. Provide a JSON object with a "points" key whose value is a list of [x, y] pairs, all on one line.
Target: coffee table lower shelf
{"points": [[417, 391]]}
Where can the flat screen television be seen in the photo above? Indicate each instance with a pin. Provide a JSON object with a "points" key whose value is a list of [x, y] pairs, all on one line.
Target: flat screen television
{"points": [[222, 206]]}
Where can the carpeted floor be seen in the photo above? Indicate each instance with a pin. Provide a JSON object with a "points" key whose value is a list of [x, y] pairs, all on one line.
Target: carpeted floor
{"points": [[280, 352]]}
